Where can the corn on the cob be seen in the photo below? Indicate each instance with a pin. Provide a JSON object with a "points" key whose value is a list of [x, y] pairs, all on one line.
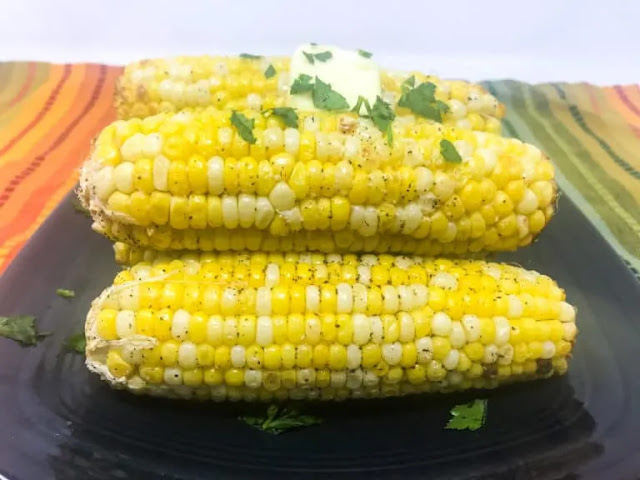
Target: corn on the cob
{"points": [[156, 86], [190, 181], [273, 326]]}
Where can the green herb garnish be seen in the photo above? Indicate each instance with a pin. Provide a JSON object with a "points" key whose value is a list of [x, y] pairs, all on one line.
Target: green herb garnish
{"points": [[364, 53], [280, 420], [309, 57], [248, 56], [421, 101], [287, 114], [76, 343], [408, 84], [449, 152], [302, 84], [321, 57], [21, 328], [382, 116], [63, 292], [326, 98], [244, 126], [469, 416], [270, 71]]}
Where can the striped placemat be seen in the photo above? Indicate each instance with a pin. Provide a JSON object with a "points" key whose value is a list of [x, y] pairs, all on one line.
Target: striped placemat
{"points": [[49, 114]]}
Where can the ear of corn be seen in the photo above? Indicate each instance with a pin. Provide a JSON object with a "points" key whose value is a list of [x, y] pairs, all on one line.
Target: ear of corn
{"points": [[156, 86], [190, 181], [275, 326]]}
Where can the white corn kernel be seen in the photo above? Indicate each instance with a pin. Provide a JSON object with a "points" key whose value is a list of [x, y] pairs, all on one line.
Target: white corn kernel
{"points": [[246, 210], [444, 280], [457, 337], [263, 301], [377, 330], [272, 275], [505, 354], [180, 324], [567, 312], [354, 356], [125, 323], [471, 324], [123, 177], [173, 376], [490, 354], [450, 362], [161, 166], [264, 213], [441, 324], [390, 300], [264, 331], [344, 302], [503, 330], [515, 307], [237, 356], [392, 353], [407, 329], [312, 293], [359, 293], [424, 348], [361, 328], [187, 355], [215, 175], [105, 183], [282, 197]]}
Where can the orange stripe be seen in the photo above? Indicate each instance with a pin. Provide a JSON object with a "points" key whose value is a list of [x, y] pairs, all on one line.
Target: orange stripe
{"points": [[31, 74], [43, 189], [37, 161], [50, 103]]}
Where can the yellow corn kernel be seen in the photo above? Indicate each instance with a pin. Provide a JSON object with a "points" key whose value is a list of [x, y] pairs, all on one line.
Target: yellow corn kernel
{"points": [[152, 374], [107, 324], [117, 366]]}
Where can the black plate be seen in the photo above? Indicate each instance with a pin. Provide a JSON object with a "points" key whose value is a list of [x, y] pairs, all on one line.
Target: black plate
{"points": [[59, 421]]}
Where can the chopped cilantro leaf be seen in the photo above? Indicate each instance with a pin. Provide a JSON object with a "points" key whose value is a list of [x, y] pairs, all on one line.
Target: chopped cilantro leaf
{"points": [[408, 84], [469, 416], [244, 126], [270, 71], [287, 114], [248, 56], [280, 420], [302, 84], [323, 56], [309, 57], [21, 328], [382, 116], [77, 343], [326, 98], [421, 101], [63, 292], [364, 53], [449, 152]]}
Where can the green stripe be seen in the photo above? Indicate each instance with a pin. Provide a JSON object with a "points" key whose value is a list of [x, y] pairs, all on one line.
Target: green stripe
{"points": [[579, 119], [514, 96]]}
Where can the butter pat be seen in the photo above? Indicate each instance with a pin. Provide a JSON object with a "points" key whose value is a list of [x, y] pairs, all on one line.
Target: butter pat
{"points": [[349, 73]]}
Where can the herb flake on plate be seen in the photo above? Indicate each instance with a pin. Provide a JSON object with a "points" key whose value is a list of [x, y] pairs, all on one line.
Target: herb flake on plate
{"points": [[21, 328], [278, 420], [468, 416]]}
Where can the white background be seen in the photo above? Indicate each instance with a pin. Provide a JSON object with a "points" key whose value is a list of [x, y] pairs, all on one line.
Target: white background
{"points": [[592, 40]]}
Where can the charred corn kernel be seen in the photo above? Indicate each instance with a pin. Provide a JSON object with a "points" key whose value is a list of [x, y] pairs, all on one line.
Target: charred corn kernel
{"points": [[197, 319]]}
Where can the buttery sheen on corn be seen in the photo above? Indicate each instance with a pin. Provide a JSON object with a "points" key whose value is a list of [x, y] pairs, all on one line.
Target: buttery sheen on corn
{"points": [[275, 326], [190, 181], [167, 85]]}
